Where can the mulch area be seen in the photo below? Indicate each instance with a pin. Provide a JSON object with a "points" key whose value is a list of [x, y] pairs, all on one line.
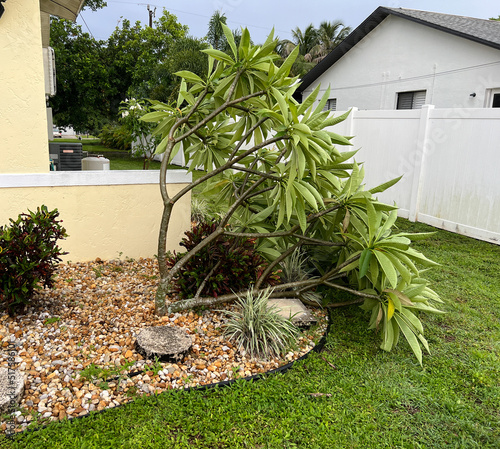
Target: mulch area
{"points": [[84, 330]]}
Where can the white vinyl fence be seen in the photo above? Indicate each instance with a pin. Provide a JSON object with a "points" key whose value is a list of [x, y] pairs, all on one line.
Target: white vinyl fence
{"points": [[449, 159]]}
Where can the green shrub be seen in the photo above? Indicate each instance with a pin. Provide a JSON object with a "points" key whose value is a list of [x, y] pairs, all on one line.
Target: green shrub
{"points": [[295, 269], [200, 210], [227, 264], [115, 136], [28, 256], [258, 328]]}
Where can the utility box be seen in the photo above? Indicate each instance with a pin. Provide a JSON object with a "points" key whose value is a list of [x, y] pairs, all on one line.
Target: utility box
{"points": [[66, 156], [95, 163]]}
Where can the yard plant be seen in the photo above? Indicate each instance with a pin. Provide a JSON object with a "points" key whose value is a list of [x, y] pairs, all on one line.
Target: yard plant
{"points": [[28, 256], [277, 165], [258, 327], [350, 395], [226, 264]]}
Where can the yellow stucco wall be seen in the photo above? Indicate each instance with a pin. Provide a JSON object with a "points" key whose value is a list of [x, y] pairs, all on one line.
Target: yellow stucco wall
{"points": [[105, 220], [105, 213], [23, 122]]}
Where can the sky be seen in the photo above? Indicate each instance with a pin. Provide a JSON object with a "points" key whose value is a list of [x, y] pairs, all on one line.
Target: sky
{"points": [[260, 16]]}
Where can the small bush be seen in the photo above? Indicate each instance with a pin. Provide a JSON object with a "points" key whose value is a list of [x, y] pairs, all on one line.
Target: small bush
{"points": [[28, 256], [118, 137], [200, 210], [295, 269], [258, 328], [228, 264]]}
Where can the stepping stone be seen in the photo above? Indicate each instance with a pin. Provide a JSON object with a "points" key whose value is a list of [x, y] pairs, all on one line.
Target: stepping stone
{"points": [[11, 389], [292, 307], [167, 343]]}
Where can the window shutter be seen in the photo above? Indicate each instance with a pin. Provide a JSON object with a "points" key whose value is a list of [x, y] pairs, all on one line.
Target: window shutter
{"points": [[411, 100], [330, 105], [418, 99]]}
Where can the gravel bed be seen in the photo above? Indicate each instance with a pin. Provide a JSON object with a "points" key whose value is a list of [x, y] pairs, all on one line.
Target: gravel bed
{"points": [[83, 332]]}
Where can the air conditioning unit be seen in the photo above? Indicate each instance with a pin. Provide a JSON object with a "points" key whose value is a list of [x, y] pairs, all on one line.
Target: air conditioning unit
{"points": [[49, 65], [66, 156]]}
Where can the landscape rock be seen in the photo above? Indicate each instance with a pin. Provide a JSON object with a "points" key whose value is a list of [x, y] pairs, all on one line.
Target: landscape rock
{"points": [[291, 307], [167, 343]]}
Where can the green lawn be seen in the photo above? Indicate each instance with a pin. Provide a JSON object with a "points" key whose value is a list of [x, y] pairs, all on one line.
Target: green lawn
{"points": [[119, 160], [370, 399]]}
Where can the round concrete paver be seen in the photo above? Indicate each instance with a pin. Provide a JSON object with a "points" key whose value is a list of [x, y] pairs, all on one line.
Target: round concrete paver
{"points": [[11, 389], [167, 343]]}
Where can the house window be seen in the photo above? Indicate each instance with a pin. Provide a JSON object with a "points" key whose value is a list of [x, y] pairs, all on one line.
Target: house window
{"points": [[496, 101], [411, 100], [331, 105]]}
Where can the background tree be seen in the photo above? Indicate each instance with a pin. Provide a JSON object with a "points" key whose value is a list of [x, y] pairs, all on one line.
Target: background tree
{"points": [[94, 77], [314, 44], [215, 34], [135, 53], [94, 5], [144, 144], [83, 98], [330, 34], [286, 185], [306, 40], [162, 85]]}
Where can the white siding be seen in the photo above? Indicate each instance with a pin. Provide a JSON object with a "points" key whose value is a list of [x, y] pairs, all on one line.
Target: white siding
{"points": [[401, 56]]}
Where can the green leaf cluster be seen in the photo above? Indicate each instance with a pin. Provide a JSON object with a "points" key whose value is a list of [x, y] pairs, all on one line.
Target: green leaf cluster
{"points": [[278, 168], [28, 256]]}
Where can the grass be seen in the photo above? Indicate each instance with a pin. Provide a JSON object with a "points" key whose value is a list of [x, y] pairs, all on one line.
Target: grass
{"points": [[367, 398]]}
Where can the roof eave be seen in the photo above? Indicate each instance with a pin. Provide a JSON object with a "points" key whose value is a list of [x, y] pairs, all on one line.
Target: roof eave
{"points": [[65, 9]]}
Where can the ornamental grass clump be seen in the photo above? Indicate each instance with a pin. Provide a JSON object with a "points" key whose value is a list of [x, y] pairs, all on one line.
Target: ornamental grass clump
{"points": [[294, 269], [258, 328]]}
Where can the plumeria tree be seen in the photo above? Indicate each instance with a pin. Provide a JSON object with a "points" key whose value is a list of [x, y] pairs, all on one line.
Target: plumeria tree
{"points": [[143, 142], [278, 166]]}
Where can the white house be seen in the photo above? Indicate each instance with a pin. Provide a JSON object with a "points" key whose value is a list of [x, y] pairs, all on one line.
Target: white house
{"points": [[402, 58]]}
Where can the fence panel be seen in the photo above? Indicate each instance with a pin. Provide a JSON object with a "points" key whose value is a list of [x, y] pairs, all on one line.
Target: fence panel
{"points": [[449, 159]]}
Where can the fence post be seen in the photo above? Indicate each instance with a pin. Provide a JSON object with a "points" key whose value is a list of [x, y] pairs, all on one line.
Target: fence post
{"points": [[419, 161], [350, 122]]}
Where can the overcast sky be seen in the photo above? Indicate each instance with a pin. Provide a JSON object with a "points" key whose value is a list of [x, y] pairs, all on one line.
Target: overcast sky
{"points": [[259, 16]]}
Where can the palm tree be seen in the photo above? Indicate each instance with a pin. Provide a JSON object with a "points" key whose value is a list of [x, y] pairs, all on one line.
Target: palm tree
{"points": [[215, 35], [306, 40], [314, 43], [330, 34]]}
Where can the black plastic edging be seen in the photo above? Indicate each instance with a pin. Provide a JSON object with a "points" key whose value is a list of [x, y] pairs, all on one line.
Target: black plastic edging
{"points": [[225, 383]]}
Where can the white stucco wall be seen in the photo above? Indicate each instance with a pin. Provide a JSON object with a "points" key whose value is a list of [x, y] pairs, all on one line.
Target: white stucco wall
{"points": [[23, 121], [400, 55]]}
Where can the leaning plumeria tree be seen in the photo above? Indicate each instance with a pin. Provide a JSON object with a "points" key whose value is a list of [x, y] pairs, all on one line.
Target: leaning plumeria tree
{"points": [[287, 185]]}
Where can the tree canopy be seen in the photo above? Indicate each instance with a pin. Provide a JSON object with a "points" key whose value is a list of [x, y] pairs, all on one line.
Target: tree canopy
{"points": [[286, 184], [94, 77], [313, 43]]}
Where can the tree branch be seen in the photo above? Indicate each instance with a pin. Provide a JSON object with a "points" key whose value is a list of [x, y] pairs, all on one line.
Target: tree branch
{"points": [[258, 173], [350, 290]]}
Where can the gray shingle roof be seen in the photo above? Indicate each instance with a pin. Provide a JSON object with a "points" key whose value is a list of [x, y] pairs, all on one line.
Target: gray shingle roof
{"points": [[485, 32]]}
